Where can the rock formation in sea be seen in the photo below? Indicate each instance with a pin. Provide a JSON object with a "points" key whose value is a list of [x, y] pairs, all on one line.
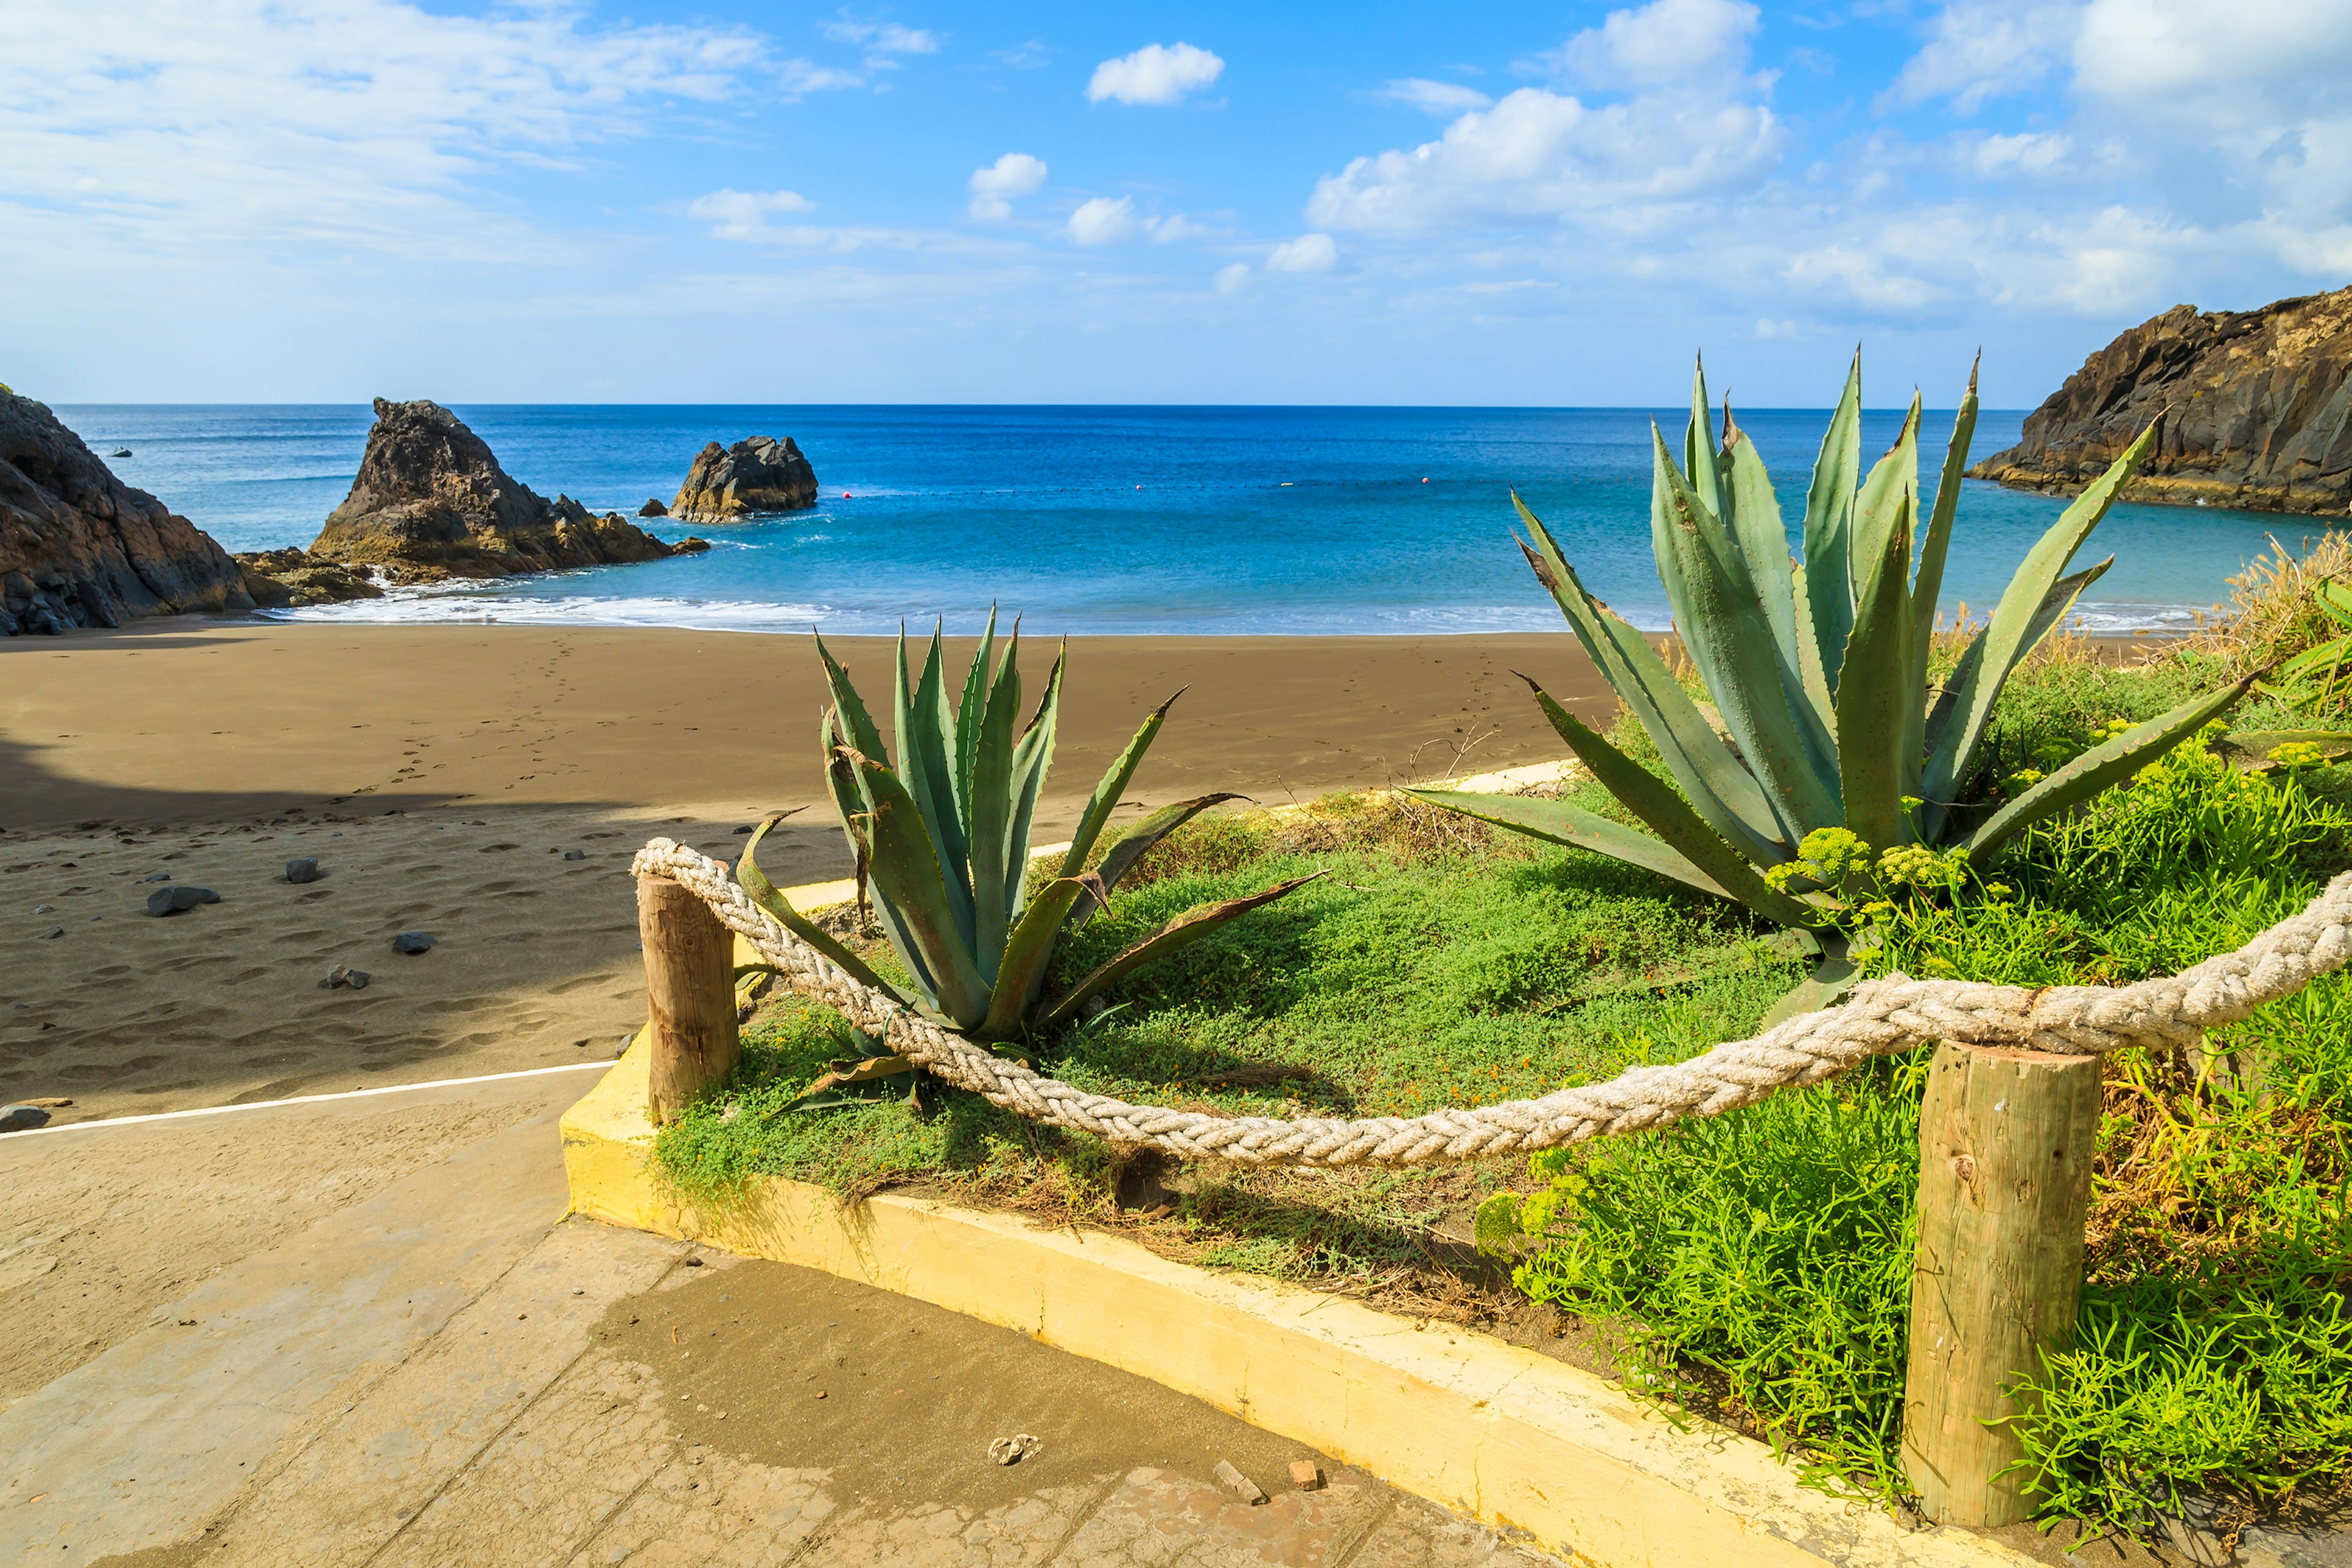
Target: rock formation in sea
{"points": [[763, 474], [80, 548], [430, 501], [279, 578], [653, 508], [2257, 411]]}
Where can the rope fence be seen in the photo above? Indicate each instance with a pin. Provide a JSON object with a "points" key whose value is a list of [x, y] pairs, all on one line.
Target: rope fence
{"points": [[1880, 1018]]}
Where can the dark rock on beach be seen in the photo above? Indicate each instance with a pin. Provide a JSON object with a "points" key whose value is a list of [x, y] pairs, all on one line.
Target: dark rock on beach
{"points": [[413, 942], [431, 501], [302, 868], [279, 578], [763, 474], [2257, 411], [80, 548], [21, 1118], [177, 900]]}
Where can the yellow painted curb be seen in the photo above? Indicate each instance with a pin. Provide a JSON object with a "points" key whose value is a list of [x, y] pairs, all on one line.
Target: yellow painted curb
{"points": [[1489, 1430]]}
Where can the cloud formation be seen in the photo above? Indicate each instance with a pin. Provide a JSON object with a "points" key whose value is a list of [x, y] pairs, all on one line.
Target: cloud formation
{"points": [[1433, 97], [1307, 253], [1690, 125], [995, 188], [1154, 75]]}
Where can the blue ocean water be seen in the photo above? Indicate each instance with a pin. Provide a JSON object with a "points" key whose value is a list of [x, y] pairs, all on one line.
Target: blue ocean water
{"points": [[1111, 520]]}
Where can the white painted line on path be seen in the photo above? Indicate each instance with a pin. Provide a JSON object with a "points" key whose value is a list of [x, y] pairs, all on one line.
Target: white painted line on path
{"points": [[8, 1138]]}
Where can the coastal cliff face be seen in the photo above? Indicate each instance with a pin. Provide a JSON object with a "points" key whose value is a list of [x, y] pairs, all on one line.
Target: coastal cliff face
{"points": [[763, 474], [80, 548], [2257, 411], [430, 501]]}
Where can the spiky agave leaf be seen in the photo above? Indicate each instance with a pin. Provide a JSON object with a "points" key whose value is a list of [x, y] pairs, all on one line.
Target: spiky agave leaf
{"points": [[1115, 780], [2101, 766], [2008, 639], [1184, 930], [1755, 520], [1722, 790], [991, 811], [1927, 585], [768, 897], [1668, 815], [905, 871], [926, 766], [1560, 822], [1032, 758], [1722, 620], [1877, 689], [1028, 953], [1133, 845], [968, 716], [1829, 523]]}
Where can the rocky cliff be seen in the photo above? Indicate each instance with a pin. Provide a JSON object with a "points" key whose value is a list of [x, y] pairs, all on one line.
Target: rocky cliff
{"points": [[80, 548], [430, 501], [2257, 411], [763, 474]]}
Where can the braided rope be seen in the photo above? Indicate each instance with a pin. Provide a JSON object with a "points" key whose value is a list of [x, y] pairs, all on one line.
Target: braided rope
{"points": [[1881, 1017]]}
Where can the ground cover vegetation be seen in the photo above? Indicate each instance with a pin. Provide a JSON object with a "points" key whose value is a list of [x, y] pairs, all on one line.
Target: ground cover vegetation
{"points": [[1755, 1265]]}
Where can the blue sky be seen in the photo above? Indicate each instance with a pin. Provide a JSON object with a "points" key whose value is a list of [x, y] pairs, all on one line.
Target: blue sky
{"points": [[298, 200]]}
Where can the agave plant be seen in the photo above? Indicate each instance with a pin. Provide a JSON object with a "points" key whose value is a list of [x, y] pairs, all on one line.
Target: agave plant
{"points": [[1828, 751], [943, 843]]}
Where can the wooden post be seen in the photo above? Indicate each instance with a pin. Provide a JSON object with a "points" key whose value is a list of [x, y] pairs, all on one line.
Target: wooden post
{"points": [[2005, 1146], [690, 994]]}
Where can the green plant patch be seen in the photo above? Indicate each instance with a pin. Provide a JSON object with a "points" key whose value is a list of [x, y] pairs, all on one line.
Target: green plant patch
{"points": [[1437, 965], [1762, 1259]]}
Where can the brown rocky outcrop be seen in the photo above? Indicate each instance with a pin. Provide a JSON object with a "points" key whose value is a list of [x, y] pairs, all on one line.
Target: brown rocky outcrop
{"points": [[763, 474], [430, 501], [279, 578], [80, 548], [2257, 411]]}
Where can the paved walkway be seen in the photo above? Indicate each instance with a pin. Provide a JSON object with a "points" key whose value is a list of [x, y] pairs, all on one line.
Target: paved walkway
{"points": [[447, 1371]]}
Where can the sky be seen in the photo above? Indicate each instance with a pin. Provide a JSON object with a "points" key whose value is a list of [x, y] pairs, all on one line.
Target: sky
{"points": [[565, 201]]}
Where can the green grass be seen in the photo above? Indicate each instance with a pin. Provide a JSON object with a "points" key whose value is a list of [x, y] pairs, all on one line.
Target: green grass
{"points": [[1761, 1259], [1437, 965]]}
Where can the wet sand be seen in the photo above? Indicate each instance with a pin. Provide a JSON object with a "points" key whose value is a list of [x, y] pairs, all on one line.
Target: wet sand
{"points": [[442, 775]]}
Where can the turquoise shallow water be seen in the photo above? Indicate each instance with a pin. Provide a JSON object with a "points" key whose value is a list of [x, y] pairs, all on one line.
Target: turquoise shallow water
{"points": [[1108, 520]]}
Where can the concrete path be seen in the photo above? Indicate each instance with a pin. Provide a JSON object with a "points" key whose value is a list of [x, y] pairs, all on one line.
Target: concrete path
{"points": [[444, 1370]]}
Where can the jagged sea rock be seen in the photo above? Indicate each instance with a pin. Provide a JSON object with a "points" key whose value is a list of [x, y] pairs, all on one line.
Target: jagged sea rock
{"points": [[2257, 411], [80, 548], [763, 474], [279, 578], [431, 501], [653, 508]]}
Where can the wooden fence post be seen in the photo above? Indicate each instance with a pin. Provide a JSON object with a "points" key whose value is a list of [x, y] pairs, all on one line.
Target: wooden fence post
{"points": [[2005, 1145], [689, 995]]}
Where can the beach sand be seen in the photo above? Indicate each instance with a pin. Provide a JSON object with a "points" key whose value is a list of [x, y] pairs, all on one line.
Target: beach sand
{"points": [[441, 776]]}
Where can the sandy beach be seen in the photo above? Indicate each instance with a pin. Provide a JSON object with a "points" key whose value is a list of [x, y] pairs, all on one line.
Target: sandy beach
{"points": [[442, 775]]}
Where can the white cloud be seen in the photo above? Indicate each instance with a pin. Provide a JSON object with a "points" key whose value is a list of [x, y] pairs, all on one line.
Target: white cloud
{"points": [[1666, 43], [1154, 75], [1232, 279], [2027, 153], [1113, 220], [1307, 253], [331, 125], [1433, 97], [1104, 220], [881, 40], [994, 187], [1024, 56], [1538, 155], [744, 214], [1693, 126], [1984, 49]]}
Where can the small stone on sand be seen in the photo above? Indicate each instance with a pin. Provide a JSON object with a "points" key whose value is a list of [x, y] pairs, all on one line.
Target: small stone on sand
{"points": [[576, 854], [43, 908], [302, 868], [23, 1117], [1305, 1476], [1242, 1486], [413, 941], [53, 934], [176, 900]]}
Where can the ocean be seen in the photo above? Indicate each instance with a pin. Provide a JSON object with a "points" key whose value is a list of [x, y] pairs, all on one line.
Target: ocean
{"points": [[1125, 520]]}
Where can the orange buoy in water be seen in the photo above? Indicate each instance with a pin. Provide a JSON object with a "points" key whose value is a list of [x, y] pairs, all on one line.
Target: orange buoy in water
{"points": [[1138, 487], [1424, 479]]}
